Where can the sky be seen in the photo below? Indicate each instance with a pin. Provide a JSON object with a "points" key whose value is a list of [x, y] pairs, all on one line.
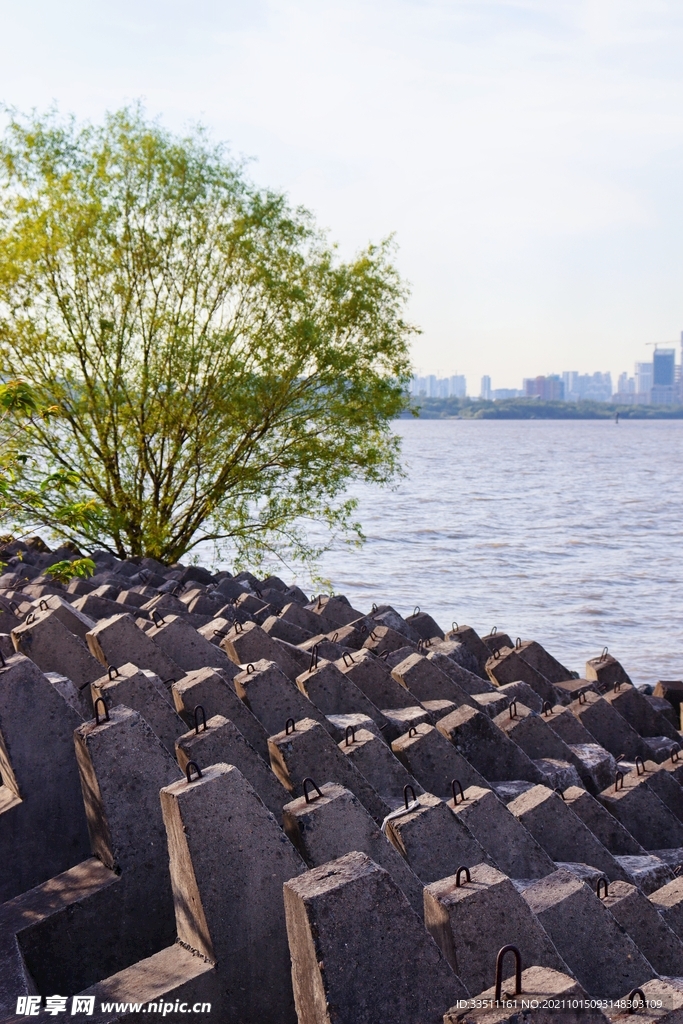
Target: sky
{"points": [[526, 154]]}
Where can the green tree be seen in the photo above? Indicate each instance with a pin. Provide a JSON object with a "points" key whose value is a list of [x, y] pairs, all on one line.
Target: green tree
{"points": [[216, 371]]}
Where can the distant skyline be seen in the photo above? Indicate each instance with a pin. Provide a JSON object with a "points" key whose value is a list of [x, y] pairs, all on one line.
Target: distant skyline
{"points": [[527, 154]]}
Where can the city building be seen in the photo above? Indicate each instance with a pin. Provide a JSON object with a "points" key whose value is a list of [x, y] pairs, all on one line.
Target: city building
{"points": [[643, 375], [587, 387], [549, 389], [485, 392], [432, 386]]}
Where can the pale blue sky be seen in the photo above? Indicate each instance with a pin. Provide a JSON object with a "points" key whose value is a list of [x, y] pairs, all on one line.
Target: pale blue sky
{"points": [[527, 153]]}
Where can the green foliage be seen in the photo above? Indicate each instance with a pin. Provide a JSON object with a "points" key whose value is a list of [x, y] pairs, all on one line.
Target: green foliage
{"points": [[68, 570], [535, 409], [212, 369]]}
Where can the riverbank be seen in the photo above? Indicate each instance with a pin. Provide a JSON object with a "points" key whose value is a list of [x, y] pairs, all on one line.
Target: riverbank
{"points": [[533, 409]]}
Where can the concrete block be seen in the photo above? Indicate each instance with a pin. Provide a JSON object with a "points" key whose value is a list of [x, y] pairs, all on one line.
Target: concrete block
{"points": [[327, 827], [138, 691], [308, 751], [334, 693], [340, 724], [227, 886], [281, 629], [492, 704], [209, 687], [46, 641], [473, 643], [75, 621], [375, 680], [69, 692], [43, 829], [335, 610], [571, 689], [542, 990], [663, 707], [117, 640], [248, 644], [567, 726], [560, 832], [640, 810], [606, 671], [529, 731], [426, 682], [486, 747], [424, 625], [428, 756], [509, 844], [507, 666], [538, 658], [382, 769], [444, 656], [455, 910], [509, 791], [604, 826], [401, 720], [648, 872], [557, 774], [219, 741], [433, 840], [522, 693], [605, 961], [663, 1004], [663, 783], [384, 638], [607, 726], [595, 765], [272, 696], [185, 646], [496, 641], [385, 615], [634, 707], [669, 902], [648, 929], [345, 958]]}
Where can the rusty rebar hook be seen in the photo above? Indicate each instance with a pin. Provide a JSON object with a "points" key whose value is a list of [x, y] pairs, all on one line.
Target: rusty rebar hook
{"points": [[199, 707], [189, 767], [638, 761], [601, 883], [454, 783], [412, 731], [101, 700], [405, 794], [619, 777], [499, 970], [287, 724], [630, 999], [459, 872], [352, 730], [547, 708], [513, 704], [346, 655], [113, 670], [305, 789]]}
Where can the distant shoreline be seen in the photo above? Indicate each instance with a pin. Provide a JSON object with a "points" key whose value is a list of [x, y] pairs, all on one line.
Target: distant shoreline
{"points": [[533, 409]]}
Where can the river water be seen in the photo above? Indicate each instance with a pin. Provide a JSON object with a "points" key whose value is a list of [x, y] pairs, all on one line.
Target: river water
{"points": [[567, 532]]}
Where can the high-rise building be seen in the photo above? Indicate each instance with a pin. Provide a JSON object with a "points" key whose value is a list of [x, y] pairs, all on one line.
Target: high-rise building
{"points": [[550, 389], [431, 385], [485, 392], [643, 375], [458, 386], [663, 367]]}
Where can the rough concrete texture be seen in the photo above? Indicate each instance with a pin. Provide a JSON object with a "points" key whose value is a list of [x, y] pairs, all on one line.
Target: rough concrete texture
{"points": [[663, 1004], [606, 671], [530, 731], [74, 620], [542, 991], [607, 726], [184, 645], [375, 761], [227, 886], [560, 832], [145, 694], [249, 643], [374, 679], [219, 741], [448, 658], [45, 639], [433, 840], [327, 827], [428, 756], [401, 720], [604, 826], [349, 927], [507, 666], [602, 957], [538, 658], [648, 929], [273, 698], [334, 693], [308, 751], [454, 909], [509, 844], [639, 713], [209, 688], [485, 746], [669, 902], [473, 644], [641, 811], [422, 677], [118, 640]]}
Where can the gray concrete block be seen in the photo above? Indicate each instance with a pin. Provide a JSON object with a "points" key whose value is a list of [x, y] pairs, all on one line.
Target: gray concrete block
{"points": [[663, 783], [185, 646], [341, 723], [557, 774], [433, 840], [445, 656], [648, 929], [46, 641], [634, 707], [227, 886], [605, 961], [535, 655], [595, 765], [669, 902], [607, 726], [334, 693], [138, 691], [376, 762], [117, 640], [542, 991], [648, 872], [308, 751], [529, 731], [422, 678], [327, 827], [664, 1004], [428, 756], [606, 671], [401, 720], [523, 693], [385, 639], [486, 747], [74, 620], [249, 644], [219, 741], [345, 957], [272, 696], [335, 610], [209, 688], [473, 643], [509, 844], [604, 826], [560, 832], [641, 811], [507, 666], [375, 680], [567, 726], [471, 920], [44, 830]]}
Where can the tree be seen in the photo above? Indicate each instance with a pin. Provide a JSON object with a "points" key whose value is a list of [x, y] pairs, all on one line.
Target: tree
{"points": [[216, 372]]}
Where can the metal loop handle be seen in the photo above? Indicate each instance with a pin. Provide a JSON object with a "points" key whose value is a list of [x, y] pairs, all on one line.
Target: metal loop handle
{"points": [[198, 708], [636, 992], [499, 970], [305, 785], [314, 658], [29, 619], [496, 654], [238, 626], [189, 767], [459, 872], [290, 721], [494, 630], [157, 619], [350, 729], [454, 626], [547, 708], [374, 609], [250, 669], [518, 643], [603, 656], [675, 751], [454, 783], [513, 704], [412, 731], [43, 605], [582, 697], [112, 671], [617, 686], [2, 659], [619, 777], [384, 655], [335, 637], [639, 763], [405, 794], [346, 655], [416, 611], [101, 700], [558, 790], [602, 883]]}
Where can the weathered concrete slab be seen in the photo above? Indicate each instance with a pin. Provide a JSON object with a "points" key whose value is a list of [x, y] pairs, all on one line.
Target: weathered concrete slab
{"points": [[137, 690], [249, 644], [376, 762], [529, 731], [663, 1004], [473, 643], [445, 656], [375, 680], [209, 688], [648, 929], [117, 640], [471, 919], [219, 741], [327, 827], [433, 840], [75, 621], [428, 756], [640, 810], [606, 671], [384, 638], [486, 747], [422, 677], [595, 765], [272, 696], [607, 726], [604, 826], [669, 902], [634, 707], [185, 646], [335, 610], [340, 725], [648, 872], [401, 720], [560, 832], [510, 846], [345, 954], [540, 660], [334, 693], [605, 961], [507, 666], [308, 751], [45, 639], [42, 822], [424, 625], [227, 886]]}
